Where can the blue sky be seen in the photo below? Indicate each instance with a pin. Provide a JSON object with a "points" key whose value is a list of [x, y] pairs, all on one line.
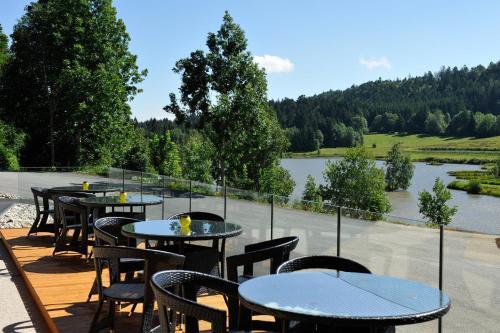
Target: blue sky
{"points": [[307, 46]]}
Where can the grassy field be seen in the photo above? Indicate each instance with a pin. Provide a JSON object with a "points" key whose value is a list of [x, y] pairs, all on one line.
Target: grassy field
{"points": [[425, 148], [489, 184]]}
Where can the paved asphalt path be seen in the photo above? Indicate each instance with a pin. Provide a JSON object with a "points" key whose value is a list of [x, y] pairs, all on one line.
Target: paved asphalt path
{"points": [[472, 261]]}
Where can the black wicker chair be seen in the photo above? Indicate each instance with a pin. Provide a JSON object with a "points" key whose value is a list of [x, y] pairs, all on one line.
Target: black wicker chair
{"points": [[129, 291], [277, 251], [221, 250], [57, 211], [330, 263], [73, 217], [322, 262], [107, 231], [170, 303], [42, 212]]}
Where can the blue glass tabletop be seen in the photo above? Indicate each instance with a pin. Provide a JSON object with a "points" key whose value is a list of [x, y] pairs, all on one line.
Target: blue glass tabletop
{"points": [[171, 230], [344, 297]]}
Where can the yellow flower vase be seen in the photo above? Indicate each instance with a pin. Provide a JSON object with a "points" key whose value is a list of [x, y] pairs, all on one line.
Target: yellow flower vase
{"points": [[123, 197], [85, 185]]}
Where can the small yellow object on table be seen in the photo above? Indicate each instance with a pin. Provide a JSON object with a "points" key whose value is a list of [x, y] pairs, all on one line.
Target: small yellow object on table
{"points": [[123, 197], [185, 222], [85, 185]]}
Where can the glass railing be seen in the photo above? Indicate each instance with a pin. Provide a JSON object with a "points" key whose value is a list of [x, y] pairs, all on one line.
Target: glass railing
{"points": [[386, 244]]}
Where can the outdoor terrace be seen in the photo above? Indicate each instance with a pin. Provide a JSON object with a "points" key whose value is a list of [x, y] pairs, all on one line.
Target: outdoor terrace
{"points": [[406, 249]]}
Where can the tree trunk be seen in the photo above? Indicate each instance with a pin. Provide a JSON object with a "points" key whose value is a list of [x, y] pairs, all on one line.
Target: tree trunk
{"points": [[51, 127]]}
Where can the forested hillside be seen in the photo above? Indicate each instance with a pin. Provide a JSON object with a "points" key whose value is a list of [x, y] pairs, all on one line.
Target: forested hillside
{"points": [[458, 102]]}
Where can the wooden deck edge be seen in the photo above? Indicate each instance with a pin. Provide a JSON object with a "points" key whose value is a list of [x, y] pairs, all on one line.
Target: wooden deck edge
{"points": [[49, 323]]}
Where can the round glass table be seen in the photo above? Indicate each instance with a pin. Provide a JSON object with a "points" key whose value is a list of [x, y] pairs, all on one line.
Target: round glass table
{"points": [[344, 299], [114, 201], [170, 230], [99, 204], [93, 188]]}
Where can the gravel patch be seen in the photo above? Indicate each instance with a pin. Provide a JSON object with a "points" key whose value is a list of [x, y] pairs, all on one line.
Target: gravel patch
{"points": [[8, 196], [18, 216]]}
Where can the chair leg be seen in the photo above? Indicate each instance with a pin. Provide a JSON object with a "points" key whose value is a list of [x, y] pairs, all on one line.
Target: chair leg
{"points": [[132, 310], [93, 290], [111, 316], [34, 226], [95, 319]]}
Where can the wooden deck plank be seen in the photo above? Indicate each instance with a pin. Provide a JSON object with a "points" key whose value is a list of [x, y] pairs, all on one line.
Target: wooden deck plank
{"points": [[62, 283]]}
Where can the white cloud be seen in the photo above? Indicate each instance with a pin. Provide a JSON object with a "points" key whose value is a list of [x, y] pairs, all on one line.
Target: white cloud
{"points": [[274, 64], [373, 63]]}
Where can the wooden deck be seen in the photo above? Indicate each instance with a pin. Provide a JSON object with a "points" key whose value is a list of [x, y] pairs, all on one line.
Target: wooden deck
{"points": [[60, 284]]}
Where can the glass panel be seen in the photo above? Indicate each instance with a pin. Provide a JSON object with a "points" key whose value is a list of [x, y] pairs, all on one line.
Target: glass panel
{"points": [[176, 196], [253, 212], [207, 198], [313, 222]]}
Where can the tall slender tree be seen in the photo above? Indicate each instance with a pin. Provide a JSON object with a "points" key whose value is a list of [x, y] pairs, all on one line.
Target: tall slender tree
{"points": [[224, 92], [69, 82]]}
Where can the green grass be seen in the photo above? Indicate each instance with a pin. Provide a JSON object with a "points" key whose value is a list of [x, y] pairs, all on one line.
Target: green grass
{"points": [[425, 148], [490, 185]]}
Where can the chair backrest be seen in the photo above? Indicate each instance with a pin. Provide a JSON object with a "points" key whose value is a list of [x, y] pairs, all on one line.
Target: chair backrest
{"points": [[107, 230], [58, 213], [70, 206], [322, 262], [41, 193], [276, 250], [164, 282], [154, 261], [199, 216]]}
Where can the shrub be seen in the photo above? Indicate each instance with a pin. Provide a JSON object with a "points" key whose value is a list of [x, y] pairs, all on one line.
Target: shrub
{"points": [[8, 160], [474, 187]]}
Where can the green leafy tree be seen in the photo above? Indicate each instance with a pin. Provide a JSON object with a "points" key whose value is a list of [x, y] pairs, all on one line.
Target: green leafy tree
{"points": [[138, 155], [436, 123], [356, 182], [69, 83], [238, 119], [165, 155], [197, 155], [433, 206], [399, 169], [4, 49], [311, 190], [11, 142], [278, 181]]}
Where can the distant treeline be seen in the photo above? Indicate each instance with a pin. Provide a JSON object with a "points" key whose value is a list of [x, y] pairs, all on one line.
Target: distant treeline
{"points": [[458, 102]]}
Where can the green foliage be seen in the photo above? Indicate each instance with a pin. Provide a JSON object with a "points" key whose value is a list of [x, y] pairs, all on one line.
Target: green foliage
{"points": [[237, 120], [11, 142], [496, 168], [399, 169], [433, 206], [356, 182], [69, 83], [278, 181], [197, 156], [435, 123], [4, 50], [311, 190], [137, 156], [165, 155], [474, 186], [427, 104], [311, 197]]}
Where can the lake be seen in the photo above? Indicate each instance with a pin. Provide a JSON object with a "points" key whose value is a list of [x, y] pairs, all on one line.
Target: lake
{"points": [[479, 213]]}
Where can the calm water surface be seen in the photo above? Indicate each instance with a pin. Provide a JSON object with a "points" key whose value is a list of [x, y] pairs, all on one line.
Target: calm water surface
{"points": [[475, 212]]}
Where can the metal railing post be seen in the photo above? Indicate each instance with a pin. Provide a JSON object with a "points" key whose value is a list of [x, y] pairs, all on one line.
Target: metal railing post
{"points": [[123, 180], [162, 197], [141, 184], [225, 202], [441, 241], [272, 215], [190, 194], [338, 230]]}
